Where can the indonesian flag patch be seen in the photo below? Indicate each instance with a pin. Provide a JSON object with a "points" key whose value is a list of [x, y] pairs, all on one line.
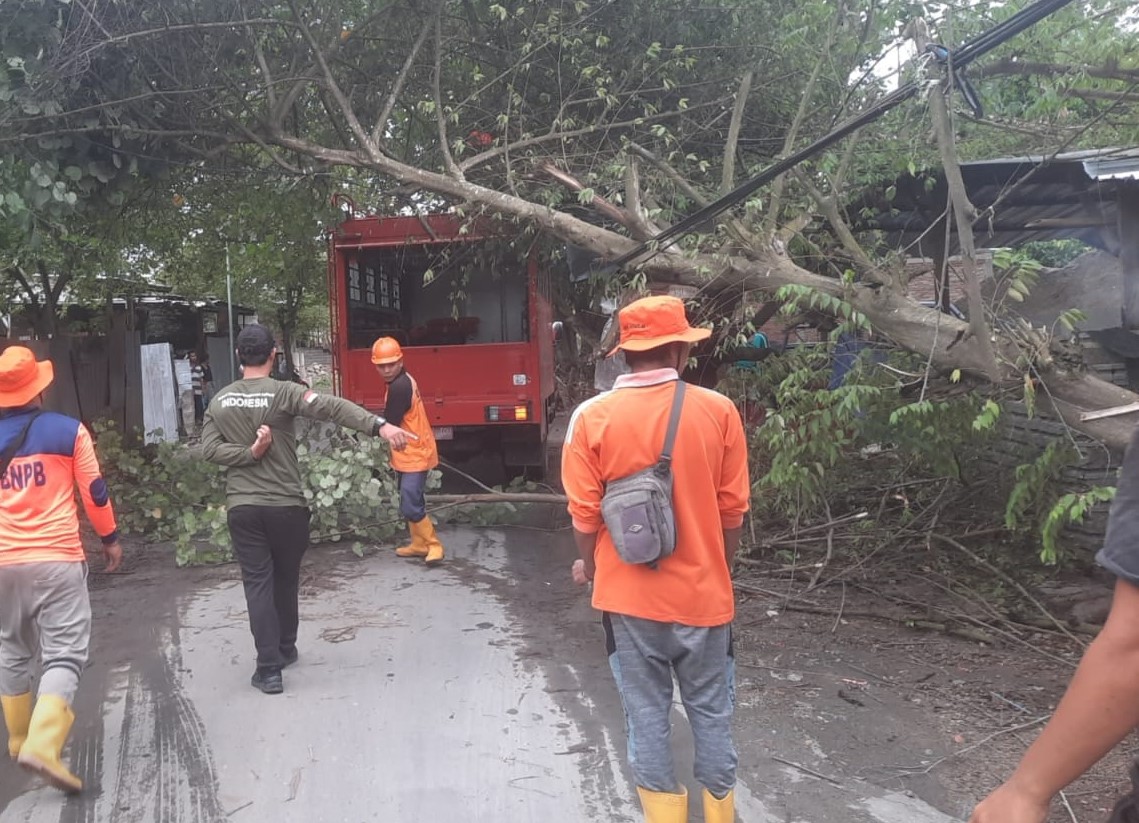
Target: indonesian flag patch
{"points": [[310, 396]]}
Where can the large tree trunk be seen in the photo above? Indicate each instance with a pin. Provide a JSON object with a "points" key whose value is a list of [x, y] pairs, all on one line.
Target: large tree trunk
{"points": [[948, 342]]}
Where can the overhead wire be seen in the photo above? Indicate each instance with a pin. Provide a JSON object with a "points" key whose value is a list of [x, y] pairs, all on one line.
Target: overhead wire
{"points": [[959, 57]]}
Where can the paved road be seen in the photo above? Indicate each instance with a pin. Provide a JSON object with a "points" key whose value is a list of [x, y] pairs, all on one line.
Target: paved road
{"points": [[476, 692]]}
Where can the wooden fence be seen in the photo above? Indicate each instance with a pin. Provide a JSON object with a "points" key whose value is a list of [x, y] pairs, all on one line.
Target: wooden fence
{"points": [[96, 377]]}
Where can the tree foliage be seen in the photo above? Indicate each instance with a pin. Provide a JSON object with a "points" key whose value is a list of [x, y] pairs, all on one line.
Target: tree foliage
{"points": [[269, 238], [166, 492], [598, 122]]}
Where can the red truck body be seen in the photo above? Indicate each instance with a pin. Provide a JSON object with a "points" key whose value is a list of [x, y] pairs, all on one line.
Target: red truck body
{"points": [[479, 343]]}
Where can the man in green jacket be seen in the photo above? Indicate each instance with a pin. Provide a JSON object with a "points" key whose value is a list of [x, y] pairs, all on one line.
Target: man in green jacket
{"points": [[250, 428]]}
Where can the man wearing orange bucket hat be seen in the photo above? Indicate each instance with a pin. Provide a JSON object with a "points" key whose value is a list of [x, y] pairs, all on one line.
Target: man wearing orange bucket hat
{"points": [[656, 475], [404, 408], [44, 604]]}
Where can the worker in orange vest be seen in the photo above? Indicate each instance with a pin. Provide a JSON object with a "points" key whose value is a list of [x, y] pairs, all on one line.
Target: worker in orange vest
{"points": [[404, 408], [45, 610]]}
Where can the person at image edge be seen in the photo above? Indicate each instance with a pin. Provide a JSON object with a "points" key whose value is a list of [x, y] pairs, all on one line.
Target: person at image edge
{"points": [[44, 605]]}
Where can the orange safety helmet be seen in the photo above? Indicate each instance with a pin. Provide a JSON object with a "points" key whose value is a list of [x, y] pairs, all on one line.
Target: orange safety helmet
{"points": [[386, 350]]}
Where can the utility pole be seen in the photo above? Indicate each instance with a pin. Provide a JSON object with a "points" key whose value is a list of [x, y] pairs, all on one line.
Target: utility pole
{"points": [[229, 312]]}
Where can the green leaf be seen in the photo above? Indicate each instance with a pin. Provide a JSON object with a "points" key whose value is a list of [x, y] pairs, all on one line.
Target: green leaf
{"points": [[101, 171]]}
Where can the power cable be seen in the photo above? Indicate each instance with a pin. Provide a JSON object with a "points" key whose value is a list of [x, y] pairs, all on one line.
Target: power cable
{"points": [[970, 51]]}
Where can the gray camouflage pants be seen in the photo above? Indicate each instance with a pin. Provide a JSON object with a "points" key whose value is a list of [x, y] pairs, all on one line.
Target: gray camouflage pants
{"points": [[643, 655], [44, 608]]}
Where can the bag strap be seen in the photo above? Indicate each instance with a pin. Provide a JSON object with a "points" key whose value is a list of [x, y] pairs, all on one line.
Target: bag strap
{"points": [[673, 424], [10, 452]]}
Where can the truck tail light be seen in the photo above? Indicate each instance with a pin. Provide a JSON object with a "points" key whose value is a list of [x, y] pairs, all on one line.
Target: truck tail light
{"points": [[504, 414]]}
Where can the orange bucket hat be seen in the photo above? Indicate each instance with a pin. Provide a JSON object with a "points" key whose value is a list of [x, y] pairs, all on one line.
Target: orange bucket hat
{"points": [[656, 321], [22, 378]]}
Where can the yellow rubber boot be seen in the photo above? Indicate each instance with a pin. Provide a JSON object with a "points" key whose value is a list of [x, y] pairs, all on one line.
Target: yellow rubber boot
{"points": [[417, 547], [431, 540], [17, 717], [47, 732], [663, 807], [719, 811]]}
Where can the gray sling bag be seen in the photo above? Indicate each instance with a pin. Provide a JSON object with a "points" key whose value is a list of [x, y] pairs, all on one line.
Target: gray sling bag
{"points": [[637, 509]]}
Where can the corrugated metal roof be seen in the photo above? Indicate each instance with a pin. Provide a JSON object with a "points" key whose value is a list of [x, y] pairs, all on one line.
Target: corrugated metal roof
{"points": [[1070, 195]]}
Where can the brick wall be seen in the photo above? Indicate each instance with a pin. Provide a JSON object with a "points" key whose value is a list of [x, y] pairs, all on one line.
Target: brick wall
{"points": [[923, 285]]}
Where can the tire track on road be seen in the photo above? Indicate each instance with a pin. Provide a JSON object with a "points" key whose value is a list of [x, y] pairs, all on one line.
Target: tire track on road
{"points": [[166, 770]]}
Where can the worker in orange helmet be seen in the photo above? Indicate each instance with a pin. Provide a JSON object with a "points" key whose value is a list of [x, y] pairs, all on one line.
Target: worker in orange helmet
{"points": [[404, 407]]}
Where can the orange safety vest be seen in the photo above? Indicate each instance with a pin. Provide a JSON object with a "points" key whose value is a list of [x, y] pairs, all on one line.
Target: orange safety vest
{"points": [[420, 455]]}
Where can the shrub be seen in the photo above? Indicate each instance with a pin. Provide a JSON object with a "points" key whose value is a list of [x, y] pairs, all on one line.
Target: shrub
{"points": [[167, 492]]}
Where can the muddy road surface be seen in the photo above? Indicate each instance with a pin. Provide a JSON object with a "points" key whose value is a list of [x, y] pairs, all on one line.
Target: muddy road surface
{"points": [[474, 692]]}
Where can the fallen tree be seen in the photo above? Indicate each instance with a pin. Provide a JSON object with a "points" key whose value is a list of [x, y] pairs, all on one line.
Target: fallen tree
{"points": [[465, 103]]}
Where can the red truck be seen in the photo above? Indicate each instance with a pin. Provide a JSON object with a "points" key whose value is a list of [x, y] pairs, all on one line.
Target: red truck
{"points": [[473, 316]]}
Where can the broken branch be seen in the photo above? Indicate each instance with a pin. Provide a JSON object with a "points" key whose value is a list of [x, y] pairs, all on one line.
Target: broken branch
{"points": [[963, 211], [728, 181], [1115, 411], [614, 213], [980, 561], [498, 497]]}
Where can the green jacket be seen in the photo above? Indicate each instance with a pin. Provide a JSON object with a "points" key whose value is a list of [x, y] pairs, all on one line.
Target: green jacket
{"points": [[231, 423]]}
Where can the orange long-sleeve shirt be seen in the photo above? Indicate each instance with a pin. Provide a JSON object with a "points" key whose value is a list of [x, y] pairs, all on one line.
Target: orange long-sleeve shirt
{"points": [[622, 431], [39, 520]]}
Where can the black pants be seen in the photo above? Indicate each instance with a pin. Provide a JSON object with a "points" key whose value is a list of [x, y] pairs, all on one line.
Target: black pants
{"points": [[269, 542]]}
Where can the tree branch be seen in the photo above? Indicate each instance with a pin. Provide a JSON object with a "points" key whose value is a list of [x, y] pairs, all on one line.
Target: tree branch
{"points": [[828, 205], [963, 211], [728, 179], [401, 79], [776, 201], [838, 181], [124, 101], [1110, 96], [796, 226], [616, 214], [901, 319], [21, 277], [742, 235], [263, 65], [440, 118], [186, 27], [221, 137], [330, 81], [554, 135], [672, 174], [645, 228], [1009, 66], [60, 284]]}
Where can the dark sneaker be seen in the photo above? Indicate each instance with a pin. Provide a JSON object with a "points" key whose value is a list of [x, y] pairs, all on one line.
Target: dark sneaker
{"points": [[268, 680], [289, 655]]}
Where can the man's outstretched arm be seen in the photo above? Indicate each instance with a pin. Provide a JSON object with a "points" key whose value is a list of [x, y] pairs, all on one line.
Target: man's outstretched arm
{"points": [[302, 402], [1100, 708]]}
